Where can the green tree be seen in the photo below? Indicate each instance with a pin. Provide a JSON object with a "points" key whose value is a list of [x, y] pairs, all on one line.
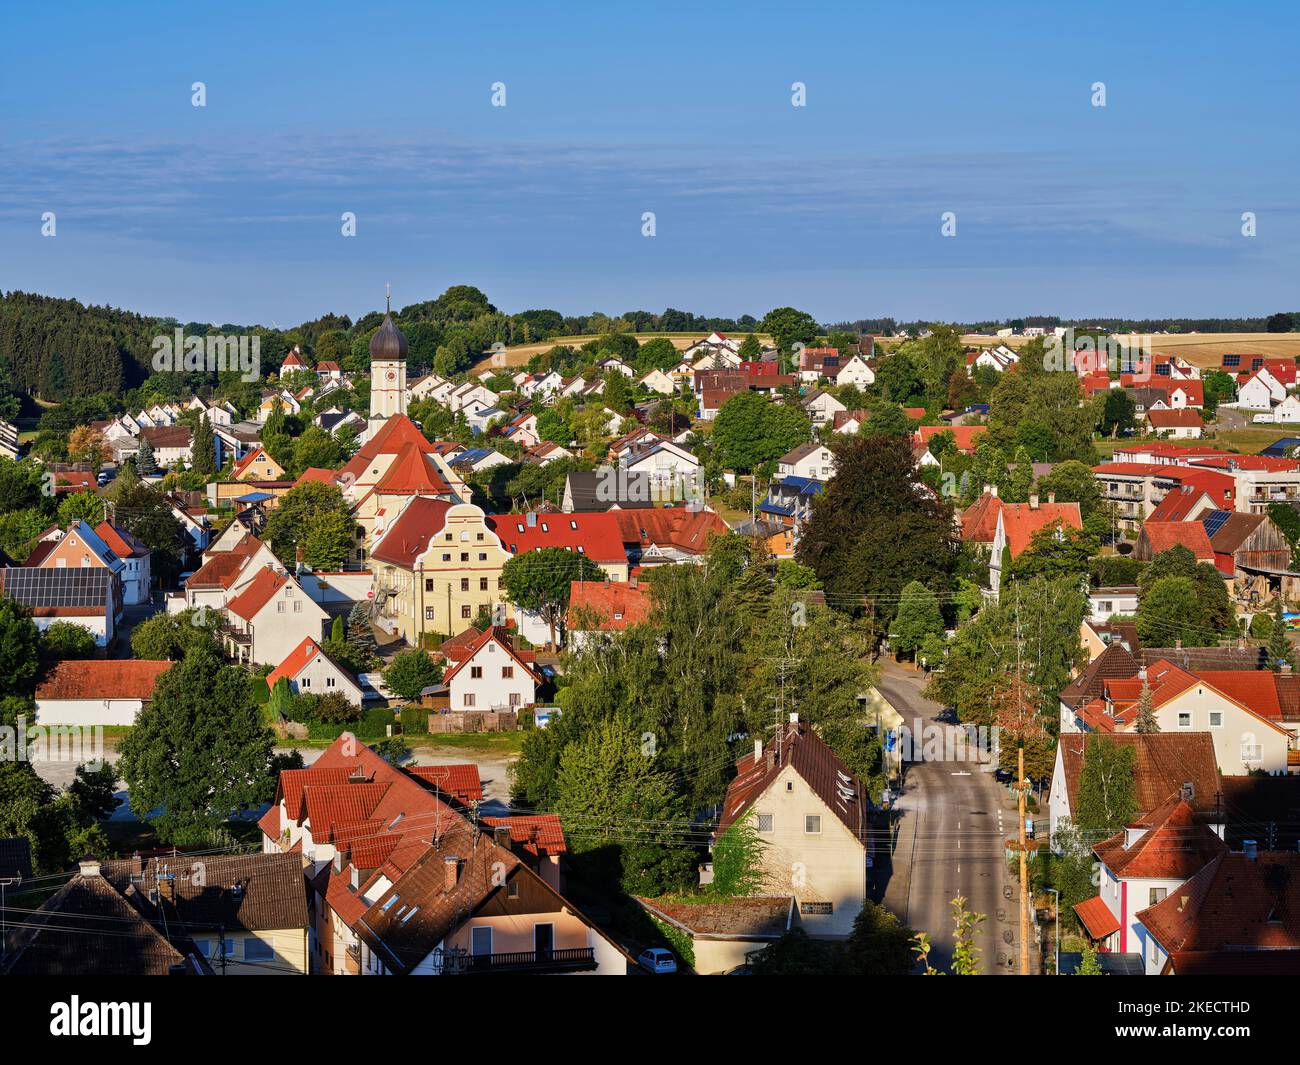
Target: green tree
{"points": [[1171, 610], [145, 513], [738, 860], [1146, 712], [909, 535], [788, 327], [540, 580], [1106, 800], [410, 672], [81, 506], [310, 515], [198, 752], [172, 636], [144, 459], [918, 617], [888, 419], [65, 639], [750, 430], [203, 449], [20, 645], [619, 812]]}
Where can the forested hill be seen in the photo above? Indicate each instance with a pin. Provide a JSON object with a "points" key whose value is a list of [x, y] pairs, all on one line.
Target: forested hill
{"points": [[57, 349]]}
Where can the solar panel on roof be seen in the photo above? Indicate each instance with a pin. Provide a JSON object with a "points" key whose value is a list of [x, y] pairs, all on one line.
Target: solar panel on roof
{"points": [[83, 587], [1214, 520]]}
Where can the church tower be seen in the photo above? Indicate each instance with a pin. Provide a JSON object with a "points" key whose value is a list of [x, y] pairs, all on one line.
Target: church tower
{"points": [[387, 369]]}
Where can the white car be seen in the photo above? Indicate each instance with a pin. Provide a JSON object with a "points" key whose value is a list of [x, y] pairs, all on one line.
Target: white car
{"points": [[657, 960]]}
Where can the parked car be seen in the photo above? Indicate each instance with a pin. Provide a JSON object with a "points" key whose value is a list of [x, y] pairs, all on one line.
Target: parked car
{"points": [[657, 960], [1003, 776]]}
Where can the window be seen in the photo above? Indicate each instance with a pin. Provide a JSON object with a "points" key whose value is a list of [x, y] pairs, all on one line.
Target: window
{"points": [[820, 908], [279, 607], [464, 584], [469, 699], [1184, 720], [305, 682], [475, 672], [1216, 719], [765, 822], [428, 584], [482, 556], [257, 950], [512, 889], [507, 672], [482, 584], [464, 556], [1250, 750], [428, 613], [330, 682], [514, 698], [297, 606], [1156, 894], [446, 556], [812, 824], [466, 612]]}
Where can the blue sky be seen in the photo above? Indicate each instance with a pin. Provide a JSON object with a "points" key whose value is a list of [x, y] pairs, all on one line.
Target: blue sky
{"points": [[231, 213]]}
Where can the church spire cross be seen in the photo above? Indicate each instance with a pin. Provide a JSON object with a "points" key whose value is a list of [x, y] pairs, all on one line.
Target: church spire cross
{"points": [[388, 298]]}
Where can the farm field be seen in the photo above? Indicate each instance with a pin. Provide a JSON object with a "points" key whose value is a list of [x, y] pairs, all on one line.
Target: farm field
{"points": [[1200, 349], [519, 354]]}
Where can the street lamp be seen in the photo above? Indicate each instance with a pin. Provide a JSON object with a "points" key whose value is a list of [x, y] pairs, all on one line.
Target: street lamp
{"points": [[1056, 966]]}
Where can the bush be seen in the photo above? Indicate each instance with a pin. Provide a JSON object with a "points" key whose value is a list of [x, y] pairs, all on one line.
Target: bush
{"points": [[415, 719]]}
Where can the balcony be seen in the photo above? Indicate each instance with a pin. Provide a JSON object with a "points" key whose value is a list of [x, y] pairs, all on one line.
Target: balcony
{"points": [[571, 960]]}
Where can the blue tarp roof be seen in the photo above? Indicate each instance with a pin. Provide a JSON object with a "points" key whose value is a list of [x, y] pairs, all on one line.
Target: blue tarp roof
{"points": [[254, 497]]}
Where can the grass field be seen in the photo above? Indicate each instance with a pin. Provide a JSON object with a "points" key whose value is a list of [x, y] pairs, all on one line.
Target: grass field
{"points": [[521, 353]]}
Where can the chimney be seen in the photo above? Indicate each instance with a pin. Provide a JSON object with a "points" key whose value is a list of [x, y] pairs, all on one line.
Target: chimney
{"points": [[450, 873], [1178, 643], [1051, 497], [758, 751], [1250, 849], [794, 717], [992, 490], [501, 836], [167, 887], [1033, 501], [88, 867]]}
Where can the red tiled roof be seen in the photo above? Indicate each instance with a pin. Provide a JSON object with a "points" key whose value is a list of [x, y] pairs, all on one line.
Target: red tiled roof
{"points": [[538, 834], [122, 543], [799, 747], [295, 661], [395, 433], [460, 781], [979, 521], [1175, 846], [1163, 535], [679, 527], [242, 464], [502, 637], [410, 535], [1253, 688], [1164, 762], [598, 535], [114, 678], [964, 435], [1096, 918], [607, 606], [248, 603], [1020, 521], [457, 647], [1234, 903], [316, 473], [412, 472], [1179, 505], [1179, 418]]}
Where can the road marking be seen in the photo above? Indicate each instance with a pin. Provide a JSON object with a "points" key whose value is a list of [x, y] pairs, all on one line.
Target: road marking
{"points": [[955, 774]]}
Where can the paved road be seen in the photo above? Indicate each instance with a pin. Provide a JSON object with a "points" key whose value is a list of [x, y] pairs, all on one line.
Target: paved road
{"points": [[953, 821]]}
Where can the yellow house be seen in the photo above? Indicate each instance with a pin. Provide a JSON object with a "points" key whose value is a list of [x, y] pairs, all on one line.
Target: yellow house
{"points": [[257, 465], [435, 567], [884, 716], [813, 818]]}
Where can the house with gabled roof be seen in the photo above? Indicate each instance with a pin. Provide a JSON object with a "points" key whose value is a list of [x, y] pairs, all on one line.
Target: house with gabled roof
{"points": [[1149, 859], [1236, 917], [269, 617], [309, 670], [402, 883], [493, 675], [90, 597], [1018, 523], [1165, 764], [96, 691], [257, 465], [226, 572], [812, 813], [136, 559], [602, 607]]}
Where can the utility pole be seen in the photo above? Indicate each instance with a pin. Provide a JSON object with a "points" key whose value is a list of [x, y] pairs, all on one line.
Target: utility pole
{"points": [[1024, 869]]}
